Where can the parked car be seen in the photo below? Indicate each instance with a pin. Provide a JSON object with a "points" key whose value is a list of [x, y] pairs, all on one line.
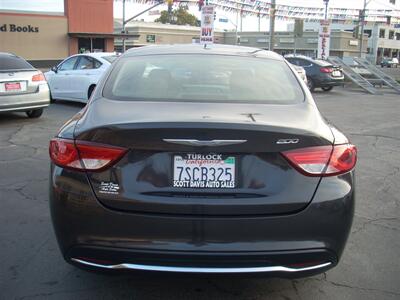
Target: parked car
{"points": [[389, 62], [22, 87], [228, 169], [320, 73], [76, 77], [302, 73]]}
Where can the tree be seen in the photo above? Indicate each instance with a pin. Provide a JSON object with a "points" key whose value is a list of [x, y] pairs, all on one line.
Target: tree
{"points": [[179, 16]]}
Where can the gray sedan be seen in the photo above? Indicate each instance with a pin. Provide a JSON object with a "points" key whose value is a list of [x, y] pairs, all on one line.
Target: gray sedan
{"points": [[22, 87], [202, 160]]}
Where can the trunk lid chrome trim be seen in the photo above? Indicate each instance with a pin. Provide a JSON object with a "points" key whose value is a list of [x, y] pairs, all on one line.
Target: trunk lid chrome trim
{"points": [[204, 143]]}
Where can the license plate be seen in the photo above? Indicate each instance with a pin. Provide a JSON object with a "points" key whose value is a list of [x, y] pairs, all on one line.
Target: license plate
{"points": [[336, 73], [204, 171], [12, 86]]}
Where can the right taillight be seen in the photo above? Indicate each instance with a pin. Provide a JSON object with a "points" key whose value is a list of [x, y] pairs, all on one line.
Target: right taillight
{"points": [[323, 160], [38, 77], [81, 155]]}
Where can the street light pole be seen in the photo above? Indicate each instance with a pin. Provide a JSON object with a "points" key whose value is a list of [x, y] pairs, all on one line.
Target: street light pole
{"points": [[362, 19], [272, 25], [123, 26]]}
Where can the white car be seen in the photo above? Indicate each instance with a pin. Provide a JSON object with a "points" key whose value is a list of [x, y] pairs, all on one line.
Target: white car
{"points": [[76, 76], [301, 72]]}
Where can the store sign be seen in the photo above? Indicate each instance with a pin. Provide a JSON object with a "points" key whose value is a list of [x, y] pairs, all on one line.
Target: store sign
{"points": [[324, 39], [286, 40], [207, 25], [312, 41], [16, 28], [353, 42], [151, 38]]}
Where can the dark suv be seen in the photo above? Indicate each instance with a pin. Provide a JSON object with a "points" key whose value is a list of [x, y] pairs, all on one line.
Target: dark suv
{"points": [[320, 73]]}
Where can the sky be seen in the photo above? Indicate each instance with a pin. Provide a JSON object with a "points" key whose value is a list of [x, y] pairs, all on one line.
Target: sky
{"points": [[248, 23]]}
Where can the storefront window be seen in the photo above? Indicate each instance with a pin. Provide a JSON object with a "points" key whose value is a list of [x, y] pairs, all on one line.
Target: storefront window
{"points": [[91, 45]]}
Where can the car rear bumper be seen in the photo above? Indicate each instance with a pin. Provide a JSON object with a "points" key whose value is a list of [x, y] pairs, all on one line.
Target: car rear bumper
{"points": [[93, 236], [332, 82], [24, 102], [276, 263]]}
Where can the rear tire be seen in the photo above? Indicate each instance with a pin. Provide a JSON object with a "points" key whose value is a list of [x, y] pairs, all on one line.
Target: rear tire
{"points": [[327, 88], [34, 113], [310, 84]]}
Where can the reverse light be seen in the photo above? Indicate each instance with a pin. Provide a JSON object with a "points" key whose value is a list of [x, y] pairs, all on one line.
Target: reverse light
{"points": [[323, 160], [38, 77], [326, 70], [80, 155]]}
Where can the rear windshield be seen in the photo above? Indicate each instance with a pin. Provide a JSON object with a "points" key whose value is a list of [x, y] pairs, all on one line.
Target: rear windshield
{"points": [[323, 63], [13, 63], [203, 78], [110, 58]]}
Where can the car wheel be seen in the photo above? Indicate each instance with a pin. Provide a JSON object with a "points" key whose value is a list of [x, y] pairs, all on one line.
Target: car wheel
{"points": [[310, 84], [34, 113], [327, 88], [90, 91]]}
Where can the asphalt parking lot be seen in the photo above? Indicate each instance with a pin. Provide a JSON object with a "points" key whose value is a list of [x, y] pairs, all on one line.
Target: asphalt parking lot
{"points": [[32, 268]]}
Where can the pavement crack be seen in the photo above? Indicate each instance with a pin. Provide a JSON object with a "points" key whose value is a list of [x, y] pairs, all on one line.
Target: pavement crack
{"points": [[373, 221], [375, 135], [294, 284], [362, 288]]}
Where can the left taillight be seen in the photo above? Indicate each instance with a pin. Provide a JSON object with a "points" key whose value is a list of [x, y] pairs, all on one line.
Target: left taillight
{"points": [[38, 77], [323, 160], [326, 70], [80, 155]]}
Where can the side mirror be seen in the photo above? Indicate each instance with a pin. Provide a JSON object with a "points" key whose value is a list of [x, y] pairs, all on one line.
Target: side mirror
{"points": [[54, 69]]}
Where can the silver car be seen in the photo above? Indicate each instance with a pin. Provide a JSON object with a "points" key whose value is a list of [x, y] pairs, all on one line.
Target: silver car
{"points": [[22, 87]]}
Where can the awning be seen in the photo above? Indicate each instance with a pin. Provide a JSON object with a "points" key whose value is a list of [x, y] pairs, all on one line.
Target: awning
{"points": [[95, 35]]}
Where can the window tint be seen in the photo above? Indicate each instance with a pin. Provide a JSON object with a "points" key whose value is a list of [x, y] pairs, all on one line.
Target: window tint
{"points": [[203, 78], [293, 61], [305, 63], [68, 64], [12, 62], [97, 64], [87, 63]]}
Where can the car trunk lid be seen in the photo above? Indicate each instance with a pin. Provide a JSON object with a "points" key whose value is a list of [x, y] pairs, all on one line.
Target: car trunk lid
{"points": [[249, 137]]}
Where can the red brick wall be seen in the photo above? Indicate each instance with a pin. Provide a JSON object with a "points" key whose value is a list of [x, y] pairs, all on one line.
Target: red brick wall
{"points": [[89, 15]]}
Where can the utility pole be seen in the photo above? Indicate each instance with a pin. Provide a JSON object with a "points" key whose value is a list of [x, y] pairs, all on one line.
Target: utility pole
{"points": [[272, 25], [326, 9], [123, 27], [236, 27], [362, 21], [241, 19]]}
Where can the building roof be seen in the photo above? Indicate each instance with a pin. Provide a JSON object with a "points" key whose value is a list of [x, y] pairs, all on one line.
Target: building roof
{"points": [[200, 49]]}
